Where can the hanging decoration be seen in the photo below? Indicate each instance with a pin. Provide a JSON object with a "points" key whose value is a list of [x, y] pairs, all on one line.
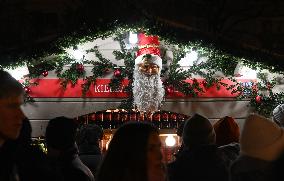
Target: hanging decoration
{"points": [[173, 75], [80, 68], [170, 89], [258, 99], [44, 73], [117, 73], [148, 89], [71, 75], [27, 90]]}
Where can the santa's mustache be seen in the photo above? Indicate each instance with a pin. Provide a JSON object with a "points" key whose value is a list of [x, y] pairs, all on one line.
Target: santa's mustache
{"points": [[148, 92]]}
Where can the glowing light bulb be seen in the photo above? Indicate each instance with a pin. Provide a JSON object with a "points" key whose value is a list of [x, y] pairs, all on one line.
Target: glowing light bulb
{"points": [[244, 72], [248, 73], [19, 72], [133, 39], [77, 54], [193, 55], [170, 140], [188, 59]]}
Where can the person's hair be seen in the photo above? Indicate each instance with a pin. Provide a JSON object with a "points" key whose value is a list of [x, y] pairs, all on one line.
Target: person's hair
{"points": [[61, 133], [88, 138], [9, 86], [89, 134], [126, 157]]}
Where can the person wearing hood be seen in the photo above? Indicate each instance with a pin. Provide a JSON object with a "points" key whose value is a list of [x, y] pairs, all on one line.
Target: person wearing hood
{"points": [[199, 159]]}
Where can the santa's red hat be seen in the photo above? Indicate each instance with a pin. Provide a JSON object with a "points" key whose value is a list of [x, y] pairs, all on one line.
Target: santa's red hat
{"points": [[148, 45]]}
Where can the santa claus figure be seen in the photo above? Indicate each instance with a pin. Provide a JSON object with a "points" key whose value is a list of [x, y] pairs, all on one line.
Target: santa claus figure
{"points": [[148, 90]]}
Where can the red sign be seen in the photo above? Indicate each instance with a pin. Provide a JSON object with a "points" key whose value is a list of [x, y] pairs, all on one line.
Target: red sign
{"points": [[50, 88]]}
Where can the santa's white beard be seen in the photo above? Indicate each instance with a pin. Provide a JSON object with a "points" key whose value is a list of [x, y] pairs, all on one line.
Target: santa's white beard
{"points": [[148, 92]]}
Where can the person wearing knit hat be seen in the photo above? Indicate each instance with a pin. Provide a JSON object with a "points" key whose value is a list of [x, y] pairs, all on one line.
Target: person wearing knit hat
{"points": [[227, 138], [199, 160], [261, 143], [148, 90], [278, 115], [198, 131], [261, 138], [227, 131]]}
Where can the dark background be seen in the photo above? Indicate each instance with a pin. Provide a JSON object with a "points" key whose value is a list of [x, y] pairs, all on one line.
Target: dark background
{"points": [[248, 28]]}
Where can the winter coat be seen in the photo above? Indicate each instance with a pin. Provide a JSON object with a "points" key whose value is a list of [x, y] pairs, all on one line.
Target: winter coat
{"points": [[8, 169], [201, 163], [71, 167], [24, 163], [246, 168], [91, 156], [33, 165], [229, 153], [91, 161]]}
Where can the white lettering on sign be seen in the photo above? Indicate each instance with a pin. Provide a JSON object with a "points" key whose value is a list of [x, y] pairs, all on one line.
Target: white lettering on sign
{"points": [[247, 87], [106, 88], [97, 88]]}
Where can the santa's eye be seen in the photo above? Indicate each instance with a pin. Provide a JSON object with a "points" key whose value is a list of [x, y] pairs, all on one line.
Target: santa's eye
{"points": [[153, 65]]}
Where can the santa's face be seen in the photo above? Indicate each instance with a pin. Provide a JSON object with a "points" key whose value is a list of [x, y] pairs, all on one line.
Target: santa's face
{"points": [[148, 91], [148, 68]]}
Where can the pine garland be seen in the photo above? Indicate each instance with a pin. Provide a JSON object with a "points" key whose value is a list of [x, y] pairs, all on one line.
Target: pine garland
{"points": [[174, 75]]}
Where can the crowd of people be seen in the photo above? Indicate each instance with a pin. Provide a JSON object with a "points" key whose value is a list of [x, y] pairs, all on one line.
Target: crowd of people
{"points": [[219, 151]]}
